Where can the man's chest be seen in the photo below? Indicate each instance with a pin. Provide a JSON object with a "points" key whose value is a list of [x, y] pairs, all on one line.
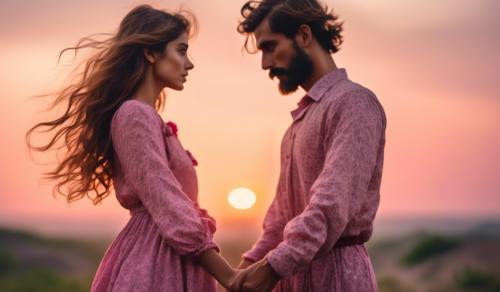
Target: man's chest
{"points": [[304, 143]]}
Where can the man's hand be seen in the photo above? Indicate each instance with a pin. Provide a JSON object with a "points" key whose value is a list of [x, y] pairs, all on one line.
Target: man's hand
{"points": [[245, 263], [258, 277]]}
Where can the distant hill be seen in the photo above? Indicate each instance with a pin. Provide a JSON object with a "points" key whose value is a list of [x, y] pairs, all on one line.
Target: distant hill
{"points": [[467, 261], [30, 262]]}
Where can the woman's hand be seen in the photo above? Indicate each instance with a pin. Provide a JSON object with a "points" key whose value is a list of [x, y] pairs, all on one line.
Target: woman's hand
{"points": [[228, 279], [258, 277]]}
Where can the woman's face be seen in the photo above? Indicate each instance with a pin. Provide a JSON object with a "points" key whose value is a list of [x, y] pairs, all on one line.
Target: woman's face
{"points": [[173, 66]]}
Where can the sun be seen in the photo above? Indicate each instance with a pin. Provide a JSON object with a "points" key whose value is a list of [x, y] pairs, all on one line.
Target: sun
{"points": [[241, 198]]}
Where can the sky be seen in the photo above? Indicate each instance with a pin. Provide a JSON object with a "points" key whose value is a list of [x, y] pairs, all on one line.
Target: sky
{"points": [[433, 65]]}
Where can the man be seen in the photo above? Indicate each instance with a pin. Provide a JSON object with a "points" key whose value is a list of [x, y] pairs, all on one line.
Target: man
{"points": [[331, 158]]}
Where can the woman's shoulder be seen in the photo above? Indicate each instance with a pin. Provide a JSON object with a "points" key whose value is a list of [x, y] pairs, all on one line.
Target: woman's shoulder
{"points": [[136, 106], [133, 109]]}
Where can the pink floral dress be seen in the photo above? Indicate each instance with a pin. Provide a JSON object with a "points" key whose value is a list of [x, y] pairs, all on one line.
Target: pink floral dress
{"points": [[154, 178]]}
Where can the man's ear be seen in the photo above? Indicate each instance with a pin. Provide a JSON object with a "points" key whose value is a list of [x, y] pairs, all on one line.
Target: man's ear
{"points": [[304, 36], [150, 56]]}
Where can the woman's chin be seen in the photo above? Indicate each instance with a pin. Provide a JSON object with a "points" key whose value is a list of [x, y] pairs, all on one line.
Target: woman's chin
{"points": [[176, 87]]}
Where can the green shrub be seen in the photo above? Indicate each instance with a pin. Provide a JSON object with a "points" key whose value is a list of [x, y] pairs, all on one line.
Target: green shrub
{"points": [[41, 281], [8, 262], [428, 247], [474, 280]]}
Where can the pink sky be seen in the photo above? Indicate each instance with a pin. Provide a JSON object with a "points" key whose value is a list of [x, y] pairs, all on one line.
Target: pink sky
{"points": [[433, 65]]}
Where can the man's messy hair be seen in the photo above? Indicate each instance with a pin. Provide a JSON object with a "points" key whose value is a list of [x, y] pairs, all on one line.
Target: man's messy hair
{"points": [[286, 16]]}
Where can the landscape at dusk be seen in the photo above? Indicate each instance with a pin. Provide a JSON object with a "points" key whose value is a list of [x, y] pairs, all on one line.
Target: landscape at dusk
{"points": [[433, 66]]}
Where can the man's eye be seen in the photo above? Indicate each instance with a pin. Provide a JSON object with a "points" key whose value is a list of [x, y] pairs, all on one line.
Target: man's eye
{"points": [[269, 48]]}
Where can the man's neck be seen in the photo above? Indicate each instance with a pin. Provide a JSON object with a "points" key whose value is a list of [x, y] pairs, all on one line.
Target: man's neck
{"points": [[322, 66]]}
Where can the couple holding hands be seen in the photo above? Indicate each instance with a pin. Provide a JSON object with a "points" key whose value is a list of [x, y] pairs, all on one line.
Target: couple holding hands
{"points": [[331, 158]]}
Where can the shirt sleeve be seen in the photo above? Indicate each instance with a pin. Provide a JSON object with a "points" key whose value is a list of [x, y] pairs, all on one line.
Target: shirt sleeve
{"points": [[353, 135], [272, 235], [138, 142]]}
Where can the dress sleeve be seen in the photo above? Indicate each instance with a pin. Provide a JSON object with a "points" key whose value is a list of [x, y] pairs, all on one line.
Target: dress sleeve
{"points": [[138, 143], [210, 221], [272, 235], [353, 134]]}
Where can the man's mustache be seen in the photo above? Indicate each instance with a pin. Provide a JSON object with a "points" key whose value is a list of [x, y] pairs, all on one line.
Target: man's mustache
{"points": [[277, 72]]}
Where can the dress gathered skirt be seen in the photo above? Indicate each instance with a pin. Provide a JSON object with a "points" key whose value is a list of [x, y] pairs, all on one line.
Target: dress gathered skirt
{"points": [[155, 180]]}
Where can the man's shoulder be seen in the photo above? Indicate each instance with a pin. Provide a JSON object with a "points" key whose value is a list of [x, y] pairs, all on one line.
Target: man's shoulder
{"points": [[347, 88], [348, 93]]}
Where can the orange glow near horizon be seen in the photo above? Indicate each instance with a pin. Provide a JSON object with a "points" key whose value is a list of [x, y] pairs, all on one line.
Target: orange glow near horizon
{"points": [[442, 106]]}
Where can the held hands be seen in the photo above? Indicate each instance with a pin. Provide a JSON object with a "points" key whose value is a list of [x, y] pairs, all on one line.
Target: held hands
{"points": [[259, 276], [245, 263], [228, 278]]}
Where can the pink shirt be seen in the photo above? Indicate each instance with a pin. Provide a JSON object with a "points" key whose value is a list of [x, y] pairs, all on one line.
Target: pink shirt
{"points": [[155, 179], [329, 187]]}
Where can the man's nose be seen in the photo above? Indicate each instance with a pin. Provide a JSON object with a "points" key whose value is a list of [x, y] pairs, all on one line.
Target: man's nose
{"points": [[266, 62]]}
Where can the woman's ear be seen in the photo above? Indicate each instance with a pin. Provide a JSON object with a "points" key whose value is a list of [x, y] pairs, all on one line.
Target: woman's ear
{"points": [[304, 36], [150, 56]]}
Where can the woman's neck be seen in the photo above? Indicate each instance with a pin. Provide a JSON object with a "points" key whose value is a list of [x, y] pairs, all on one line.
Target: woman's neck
{"points": [[148, 91]]}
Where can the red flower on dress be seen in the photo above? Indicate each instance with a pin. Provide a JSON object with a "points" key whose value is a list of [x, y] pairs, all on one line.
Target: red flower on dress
{"points": [[173, 127], [195, 162]]}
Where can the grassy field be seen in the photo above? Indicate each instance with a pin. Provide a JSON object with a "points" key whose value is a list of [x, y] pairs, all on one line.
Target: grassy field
{"points": [[419, 261]]}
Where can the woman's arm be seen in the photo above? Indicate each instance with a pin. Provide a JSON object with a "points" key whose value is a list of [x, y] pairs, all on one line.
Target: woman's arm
{"points": [[218, 267], [137, 137]]}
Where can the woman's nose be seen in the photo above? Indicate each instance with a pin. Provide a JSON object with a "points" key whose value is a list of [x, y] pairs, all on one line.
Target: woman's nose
{"points": [[189, 64]]}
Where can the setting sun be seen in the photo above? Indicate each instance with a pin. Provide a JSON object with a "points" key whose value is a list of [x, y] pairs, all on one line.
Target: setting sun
{"points": [[241, 198]]}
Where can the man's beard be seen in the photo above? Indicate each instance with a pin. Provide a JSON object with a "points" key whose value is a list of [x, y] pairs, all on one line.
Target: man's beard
{"points": [[298, 71]]}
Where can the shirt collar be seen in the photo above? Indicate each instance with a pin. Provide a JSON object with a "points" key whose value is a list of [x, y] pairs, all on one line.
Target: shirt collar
{"points": [[301, 107], [318, 90], [326, 82]]}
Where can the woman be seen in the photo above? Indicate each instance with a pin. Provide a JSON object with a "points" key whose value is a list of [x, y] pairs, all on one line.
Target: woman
{"points": [[116, 138]]}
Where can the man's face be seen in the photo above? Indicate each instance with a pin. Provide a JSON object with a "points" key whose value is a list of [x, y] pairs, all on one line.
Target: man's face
{"points": [[283, 58]]}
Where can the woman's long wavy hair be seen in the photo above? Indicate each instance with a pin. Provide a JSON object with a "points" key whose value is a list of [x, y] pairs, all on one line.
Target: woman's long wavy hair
{"points": [[110, 76]]}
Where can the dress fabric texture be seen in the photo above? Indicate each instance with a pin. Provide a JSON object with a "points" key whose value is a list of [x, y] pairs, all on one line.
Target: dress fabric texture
{"points": [[329, 187], [155, 179]]}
